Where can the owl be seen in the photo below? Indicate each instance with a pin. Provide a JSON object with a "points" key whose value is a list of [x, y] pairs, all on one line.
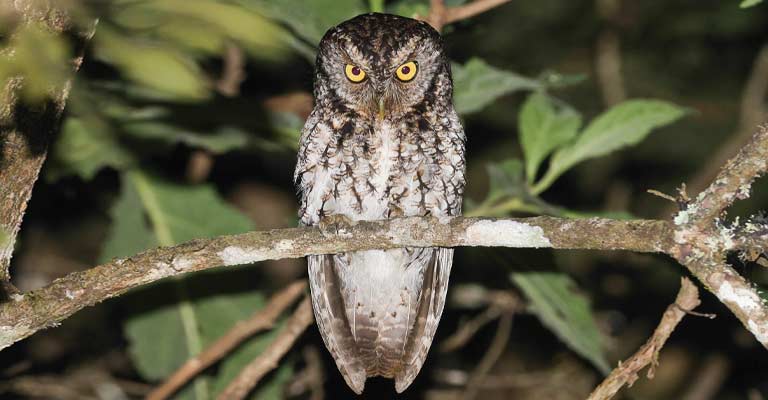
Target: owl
{"points": [[382, 141]]}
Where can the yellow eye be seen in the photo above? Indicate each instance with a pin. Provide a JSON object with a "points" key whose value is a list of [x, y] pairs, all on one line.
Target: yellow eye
{"points": [[354, 73], [407, 71]]}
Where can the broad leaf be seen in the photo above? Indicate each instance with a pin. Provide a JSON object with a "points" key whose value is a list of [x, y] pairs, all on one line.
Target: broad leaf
{"points": [[543, 129], [309, 19], [477, 84], [623, 125], [84, 147], [201, 25], [40, 57], [176, 318], [219, 141], [505, 178], [564, 311], [409, 8], [158, 67], [749, 3]]}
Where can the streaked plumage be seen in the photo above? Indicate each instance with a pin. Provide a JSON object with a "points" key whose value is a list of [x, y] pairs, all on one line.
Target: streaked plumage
{"points": [[377, 149]]}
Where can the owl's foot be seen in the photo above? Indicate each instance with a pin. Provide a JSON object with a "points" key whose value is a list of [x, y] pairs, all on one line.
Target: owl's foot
{"points": [[335, 225]]}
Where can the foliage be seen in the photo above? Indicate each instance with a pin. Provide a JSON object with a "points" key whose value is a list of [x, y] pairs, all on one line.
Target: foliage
{"points": [[148, 93], [749, 3], [191, 313], [478, 84], [565, 312]]}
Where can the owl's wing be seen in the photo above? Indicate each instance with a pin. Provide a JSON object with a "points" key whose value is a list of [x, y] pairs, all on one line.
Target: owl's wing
{"points": [[331, 318], [430, 309]]}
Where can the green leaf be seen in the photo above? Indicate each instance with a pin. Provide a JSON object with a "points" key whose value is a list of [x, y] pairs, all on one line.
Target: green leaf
{"points": [[219, 141], [174, 319], [555, 80], [477, 84], [563, 311], [409, 8], [309, 19], [543, 129], [505, 178], [158, 67], [203, 25], [749, 3], [85, 146], [376, 5], [219, 312], [41, 57], [623, 125]]}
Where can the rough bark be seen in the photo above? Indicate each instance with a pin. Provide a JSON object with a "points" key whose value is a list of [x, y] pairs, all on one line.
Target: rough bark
{"points": [[48, 306], [24, 134]]}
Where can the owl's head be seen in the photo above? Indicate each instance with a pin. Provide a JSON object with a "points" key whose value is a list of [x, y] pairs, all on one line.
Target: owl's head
{"points": [[382, 65]]}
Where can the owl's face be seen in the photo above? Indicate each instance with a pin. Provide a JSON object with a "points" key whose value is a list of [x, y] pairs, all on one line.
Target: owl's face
{"points": [[380, 65]]}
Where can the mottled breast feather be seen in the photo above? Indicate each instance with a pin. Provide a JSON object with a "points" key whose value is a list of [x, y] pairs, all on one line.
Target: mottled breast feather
{"points": [[378, 310]]}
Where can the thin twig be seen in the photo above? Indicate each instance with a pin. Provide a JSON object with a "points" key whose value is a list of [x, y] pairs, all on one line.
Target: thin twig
{"points": [[499, 302], [311, 378], [648, 354], [468, 329], [260, 320], [662, 195], [440, 15], [495, 350], [250, 376], [233, 73]]}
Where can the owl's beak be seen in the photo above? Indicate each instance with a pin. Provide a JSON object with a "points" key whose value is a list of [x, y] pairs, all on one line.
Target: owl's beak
{"points": [[380, 115]]}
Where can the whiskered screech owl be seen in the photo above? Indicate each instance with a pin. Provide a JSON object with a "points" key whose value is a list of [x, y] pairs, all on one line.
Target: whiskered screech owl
{"points": [[383, 141]]}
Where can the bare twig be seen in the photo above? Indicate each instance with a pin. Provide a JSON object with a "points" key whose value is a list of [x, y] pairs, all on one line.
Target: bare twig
{"points": [[491, 356], [234, 72], [440, 15], [199, 165], [311, 378], [626, 372], [250, 376], [468, 329], [702, 242], [499, 302], [261, 320], [45, 307]]}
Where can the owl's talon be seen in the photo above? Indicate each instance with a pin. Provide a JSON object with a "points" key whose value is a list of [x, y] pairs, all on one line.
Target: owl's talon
{"points": [[335, 225]]}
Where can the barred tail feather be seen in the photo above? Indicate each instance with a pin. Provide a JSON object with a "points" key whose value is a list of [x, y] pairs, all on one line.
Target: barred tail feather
{"points": [[431, 304], [332, 321]]}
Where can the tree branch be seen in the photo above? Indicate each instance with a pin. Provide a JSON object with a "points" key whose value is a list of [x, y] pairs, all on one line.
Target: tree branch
{"points": [[702, 251], [250, 376], [440, 15], [42, 308], [626, 373], [703, 241], [261, 320], [732, 183]]}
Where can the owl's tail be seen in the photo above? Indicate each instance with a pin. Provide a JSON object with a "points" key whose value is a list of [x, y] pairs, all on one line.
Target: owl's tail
{"points": [[378, 310]]}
